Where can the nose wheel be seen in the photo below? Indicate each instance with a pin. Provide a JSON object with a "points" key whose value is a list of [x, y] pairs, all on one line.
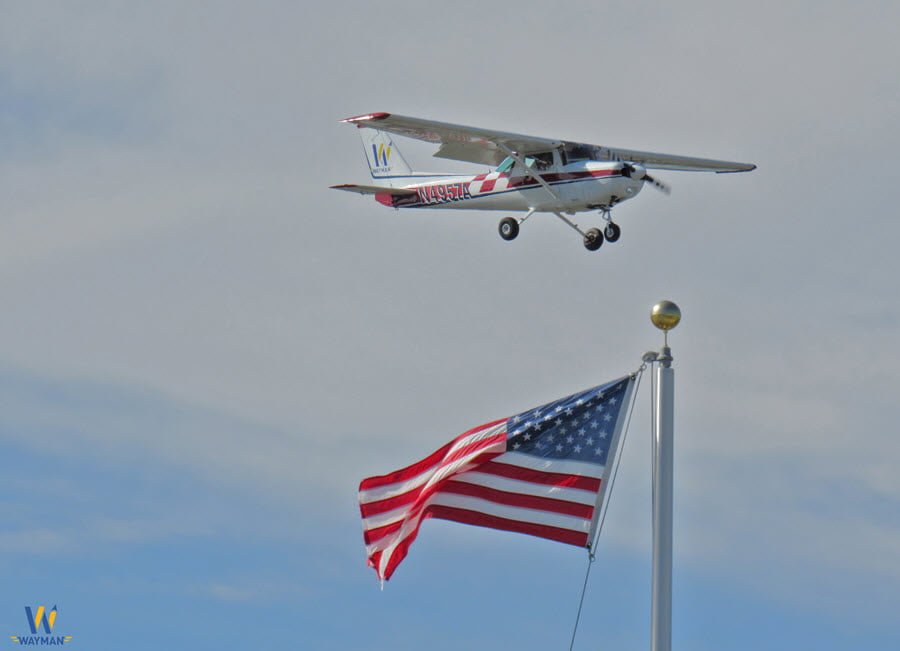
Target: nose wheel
{"points": [[508, 228], [612, 232]]}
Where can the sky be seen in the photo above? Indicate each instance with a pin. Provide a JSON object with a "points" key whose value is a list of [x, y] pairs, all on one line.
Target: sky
{"points": [[203, 349]]}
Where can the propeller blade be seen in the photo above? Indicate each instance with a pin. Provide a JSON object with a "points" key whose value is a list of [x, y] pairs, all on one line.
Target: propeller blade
{"points": [[638, 172], [659, 185]]}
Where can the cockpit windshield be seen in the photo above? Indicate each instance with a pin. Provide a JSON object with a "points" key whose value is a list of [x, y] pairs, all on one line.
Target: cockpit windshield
{"points": [[536, 161], [506, 165]]}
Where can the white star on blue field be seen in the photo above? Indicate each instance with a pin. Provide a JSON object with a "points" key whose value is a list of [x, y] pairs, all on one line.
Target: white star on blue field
{"points": [[575, 428], [203, 349]]}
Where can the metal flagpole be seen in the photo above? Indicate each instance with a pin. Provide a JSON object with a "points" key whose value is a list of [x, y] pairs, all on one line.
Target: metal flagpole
{"points": [[665, 316]]}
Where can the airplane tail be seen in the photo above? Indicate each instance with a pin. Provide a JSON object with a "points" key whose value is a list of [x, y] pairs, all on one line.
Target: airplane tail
{"points": [[385, 161]]}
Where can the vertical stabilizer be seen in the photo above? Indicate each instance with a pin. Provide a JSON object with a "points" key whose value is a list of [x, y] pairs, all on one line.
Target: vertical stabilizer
{"points": [[382, 155]]}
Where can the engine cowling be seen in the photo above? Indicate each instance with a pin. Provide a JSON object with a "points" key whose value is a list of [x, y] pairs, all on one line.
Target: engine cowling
{"points": [[636, 172]]}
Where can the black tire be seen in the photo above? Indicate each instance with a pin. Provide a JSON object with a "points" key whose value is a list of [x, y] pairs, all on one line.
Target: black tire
{"points": [[508, 228], [593, 239], [612, 232]]}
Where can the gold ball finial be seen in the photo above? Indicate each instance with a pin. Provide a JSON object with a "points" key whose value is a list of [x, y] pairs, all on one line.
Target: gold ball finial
{"points": [[665, 315]]}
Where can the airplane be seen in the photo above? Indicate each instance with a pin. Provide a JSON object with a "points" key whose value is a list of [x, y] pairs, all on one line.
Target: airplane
{"points": [[530, 174]]}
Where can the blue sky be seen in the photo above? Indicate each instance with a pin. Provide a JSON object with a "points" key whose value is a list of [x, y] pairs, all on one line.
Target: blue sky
{"points": [[203, 349]]}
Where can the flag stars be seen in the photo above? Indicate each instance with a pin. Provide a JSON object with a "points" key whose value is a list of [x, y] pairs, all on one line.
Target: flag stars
{"points": [[579, 427]]}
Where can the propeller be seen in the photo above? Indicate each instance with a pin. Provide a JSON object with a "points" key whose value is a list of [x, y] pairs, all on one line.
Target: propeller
{"points": [[639, 173]]}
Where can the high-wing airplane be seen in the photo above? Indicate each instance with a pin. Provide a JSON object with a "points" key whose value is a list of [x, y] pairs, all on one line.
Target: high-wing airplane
{"points": [[534, 175]]}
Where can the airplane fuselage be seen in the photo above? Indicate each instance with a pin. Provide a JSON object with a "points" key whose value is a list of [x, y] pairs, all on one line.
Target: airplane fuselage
{"points": [[579, 186]]}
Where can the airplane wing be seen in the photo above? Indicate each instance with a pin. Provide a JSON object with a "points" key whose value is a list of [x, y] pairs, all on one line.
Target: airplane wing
{"points": [[374, 189], [457, 142], [489, 147], [653, 160]]}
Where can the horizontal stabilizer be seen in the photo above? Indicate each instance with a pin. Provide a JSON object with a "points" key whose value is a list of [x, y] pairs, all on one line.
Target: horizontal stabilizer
{"points": [[374, 189]]}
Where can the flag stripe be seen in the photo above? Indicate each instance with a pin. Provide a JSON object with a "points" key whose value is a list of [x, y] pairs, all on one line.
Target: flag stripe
{"points": [[580, 496], [497, 474], [428, 462], [495, 522], [501, 468], [404, 474], [547, 504], [512, 512], [562, 466], [494, 501], [373, 535]]}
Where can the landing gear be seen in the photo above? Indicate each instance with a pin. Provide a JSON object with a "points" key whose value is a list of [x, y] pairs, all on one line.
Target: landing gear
{"points": [[509, 228], [593, 239], [612, 232]]}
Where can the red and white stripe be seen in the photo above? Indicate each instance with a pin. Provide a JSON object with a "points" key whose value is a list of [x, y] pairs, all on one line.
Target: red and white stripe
{"points": [[490, 182], [474, 480]]}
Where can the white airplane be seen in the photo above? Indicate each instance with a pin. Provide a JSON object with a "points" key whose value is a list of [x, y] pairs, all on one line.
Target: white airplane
{"points": [[529, 174]]}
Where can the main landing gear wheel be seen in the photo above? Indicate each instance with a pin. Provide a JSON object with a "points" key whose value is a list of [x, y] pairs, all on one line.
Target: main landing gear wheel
{"points": [[509, 228], [612, 232], [593, 239]]}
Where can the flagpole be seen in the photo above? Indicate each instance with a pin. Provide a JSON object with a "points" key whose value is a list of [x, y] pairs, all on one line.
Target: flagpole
{"points": [[665, 316]]}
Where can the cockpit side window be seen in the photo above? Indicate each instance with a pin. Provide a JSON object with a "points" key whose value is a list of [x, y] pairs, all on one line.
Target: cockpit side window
{"points": [[576, 152], [540, 161], [506, 165]]}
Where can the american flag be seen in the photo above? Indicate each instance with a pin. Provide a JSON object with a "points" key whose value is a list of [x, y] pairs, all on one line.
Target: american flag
{"points": [[542, 472]]}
